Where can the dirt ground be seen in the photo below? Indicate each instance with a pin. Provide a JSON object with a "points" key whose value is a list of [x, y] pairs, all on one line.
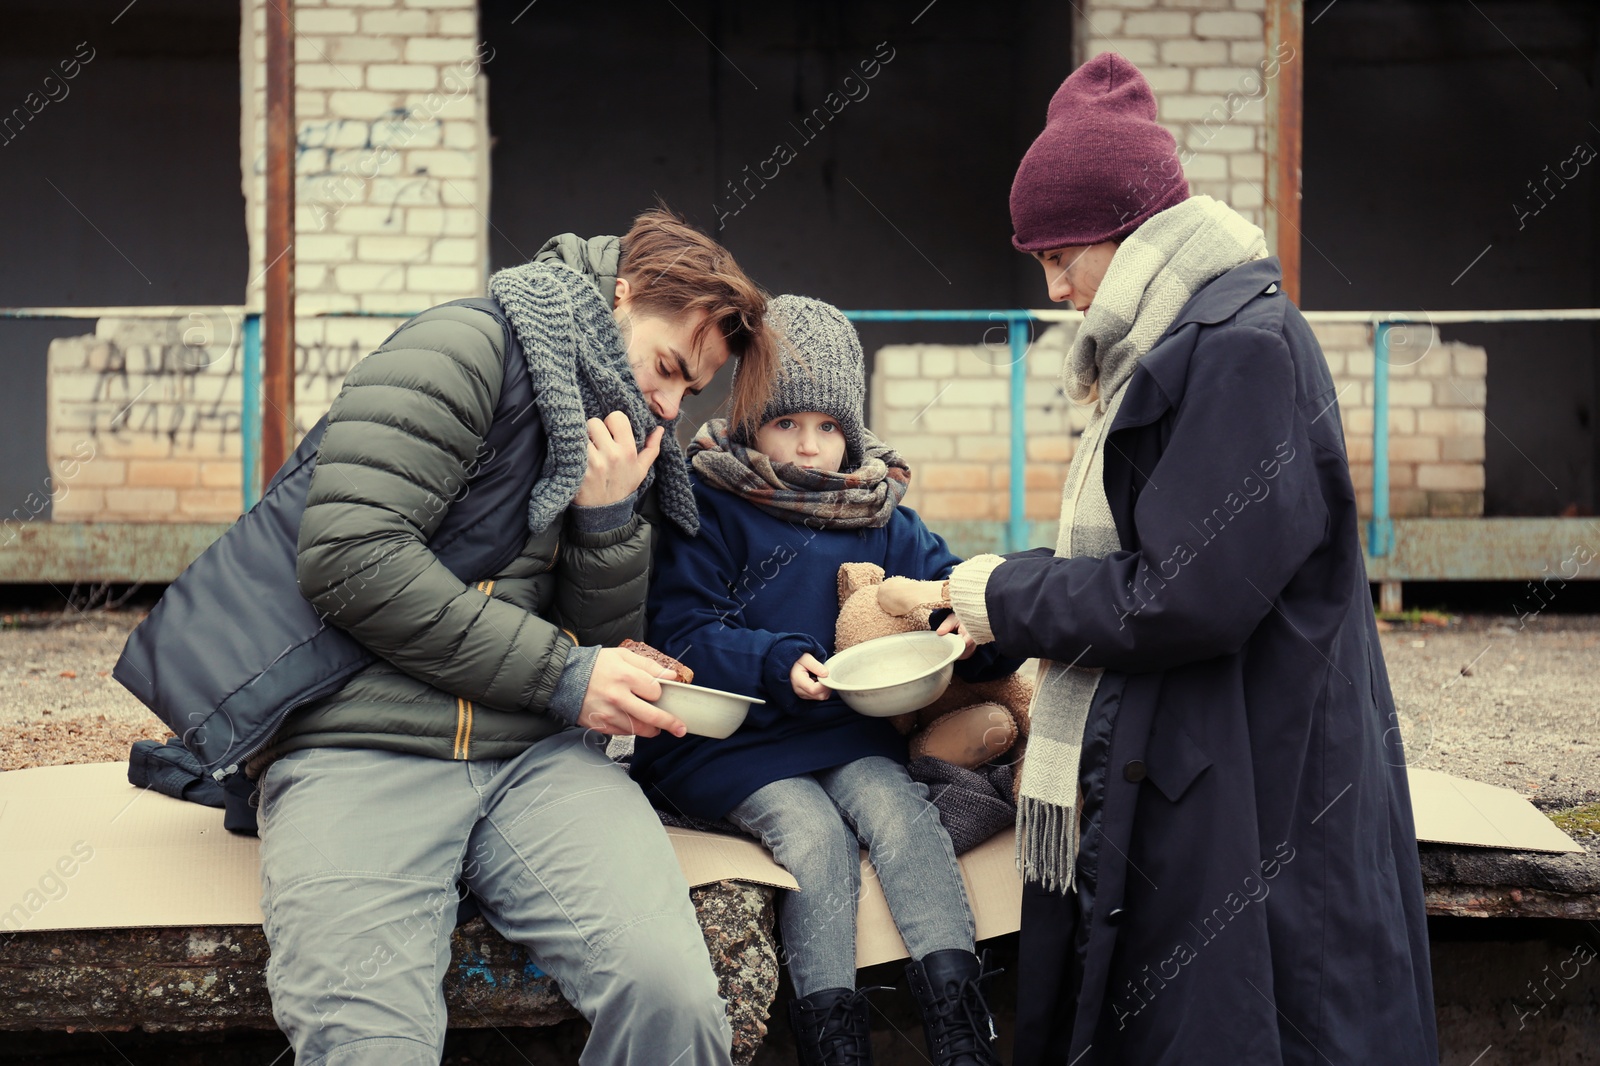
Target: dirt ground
{"points": [[1492, 701], [60, 703], [1485, 697]]}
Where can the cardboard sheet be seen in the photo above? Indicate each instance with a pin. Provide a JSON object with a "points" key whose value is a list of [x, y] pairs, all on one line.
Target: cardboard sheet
{"points": [[1453, 810], [83, 849]]}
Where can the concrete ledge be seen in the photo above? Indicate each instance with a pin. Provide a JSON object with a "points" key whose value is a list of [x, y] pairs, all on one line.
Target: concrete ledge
{"points": [[1465, 882], [1426, 549], [151, 552], [1486, 549], [213, 977]]}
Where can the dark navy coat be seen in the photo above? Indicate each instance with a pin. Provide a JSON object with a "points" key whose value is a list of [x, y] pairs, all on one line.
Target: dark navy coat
{"points": [[1249, 891]]}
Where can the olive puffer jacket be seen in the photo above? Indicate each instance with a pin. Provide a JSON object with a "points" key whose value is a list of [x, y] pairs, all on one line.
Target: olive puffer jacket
{"points": [[465, 669]]}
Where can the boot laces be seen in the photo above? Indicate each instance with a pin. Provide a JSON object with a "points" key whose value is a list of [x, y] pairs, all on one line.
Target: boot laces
{"points": [[963, 1028], [836, 1039]]}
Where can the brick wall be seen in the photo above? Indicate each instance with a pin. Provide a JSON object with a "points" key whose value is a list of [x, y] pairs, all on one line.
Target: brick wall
{"points": [[392, 175], [1207, 61], [391, 215], [392, 193], [947, 410], [1437, 393], [144, 415]]}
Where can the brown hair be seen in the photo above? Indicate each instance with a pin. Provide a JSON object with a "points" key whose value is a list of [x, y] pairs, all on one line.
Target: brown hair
{"points": [[676, 270]]}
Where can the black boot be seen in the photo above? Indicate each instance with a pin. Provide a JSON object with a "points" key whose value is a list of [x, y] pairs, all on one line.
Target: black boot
{"points": [[948, 986], [833, 1027]]}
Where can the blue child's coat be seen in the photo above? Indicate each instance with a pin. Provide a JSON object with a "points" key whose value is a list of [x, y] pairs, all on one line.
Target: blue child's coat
{"points": [[738, 605]]}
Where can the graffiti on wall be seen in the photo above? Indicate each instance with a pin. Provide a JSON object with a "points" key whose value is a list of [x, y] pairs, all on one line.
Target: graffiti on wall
{"points": [[184, 389]]}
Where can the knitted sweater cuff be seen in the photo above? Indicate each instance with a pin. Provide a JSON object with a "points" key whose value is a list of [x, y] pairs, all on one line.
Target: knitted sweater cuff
{"points": [[566, 702], [602, 519], [969, 584]]}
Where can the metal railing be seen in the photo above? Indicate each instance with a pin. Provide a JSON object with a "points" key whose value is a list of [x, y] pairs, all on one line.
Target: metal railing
{"points": [[1018, 324]]}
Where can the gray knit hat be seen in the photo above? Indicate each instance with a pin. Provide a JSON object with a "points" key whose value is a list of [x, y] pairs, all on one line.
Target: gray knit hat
{"points": [[822, 367]]}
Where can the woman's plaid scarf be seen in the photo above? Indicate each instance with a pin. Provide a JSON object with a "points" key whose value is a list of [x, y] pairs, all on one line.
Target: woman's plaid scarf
{"points": [[864, 498]]}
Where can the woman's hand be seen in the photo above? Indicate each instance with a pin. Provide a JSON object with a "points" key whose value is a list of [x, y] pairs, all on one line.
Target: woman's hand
{"points": [[900, 596], [952, 624], [805, 686], [617, 467], [618, 700]]}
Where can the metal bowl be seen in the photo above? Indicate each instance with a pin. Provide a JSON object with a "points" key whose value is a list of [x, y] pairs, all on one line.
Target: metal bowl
{"points": [[891, 675], [707, 712]]}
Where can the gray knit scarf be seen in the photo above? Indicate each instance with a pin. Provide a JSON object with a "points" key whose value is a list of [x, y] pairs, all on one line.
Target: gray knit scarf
{"points": [[1161, 265], [579, 368]]}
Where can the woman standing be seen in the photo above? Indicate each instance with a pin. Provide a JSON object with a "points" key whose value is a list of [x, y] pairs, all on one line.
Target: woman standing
{"points": [[1215, 828]]}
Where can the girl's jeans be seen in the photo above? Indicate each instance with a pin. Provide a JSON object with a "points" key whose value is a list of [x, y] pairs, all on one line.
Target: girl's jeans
{"points": [[811, 824]]}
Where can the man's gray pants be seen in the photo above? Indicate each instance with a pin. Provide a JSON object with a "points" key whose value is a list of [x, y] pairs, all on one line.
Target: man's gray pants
{"points": [[361, 851]]}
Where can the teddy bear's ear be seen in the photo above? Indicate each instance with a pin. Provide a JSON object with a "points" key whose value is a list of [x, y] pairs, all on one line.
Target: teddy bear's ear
{"points": [[855, 576]]}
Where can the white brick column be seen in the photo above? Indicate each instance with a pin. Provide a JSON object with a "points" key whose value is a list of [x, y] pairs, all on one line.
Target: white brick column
{"points": [[391, 197], [1207, 62]]}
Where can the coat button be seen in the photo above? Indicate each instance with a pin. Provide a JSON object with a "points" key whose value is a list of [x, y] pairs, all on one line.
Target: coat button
{"points": [[1114, 916], [1134, 771]]}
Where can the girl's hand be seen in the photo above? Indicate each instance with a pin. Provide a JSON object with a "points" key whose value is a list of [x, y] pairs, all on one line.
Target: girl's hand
{"points": [[805, 686], [952, 624]]}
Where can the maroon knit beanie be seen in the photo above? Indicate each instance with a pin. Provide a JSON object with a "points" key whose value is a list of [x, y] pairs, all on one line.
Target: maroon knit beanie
{"points": [[1102, 165]]}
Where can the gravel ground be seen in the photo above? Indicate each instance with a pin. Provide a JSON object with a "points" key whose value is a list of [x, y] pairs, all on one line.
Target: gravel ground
{"points": [[1509, 706], [1480, 698], [60, 703]]}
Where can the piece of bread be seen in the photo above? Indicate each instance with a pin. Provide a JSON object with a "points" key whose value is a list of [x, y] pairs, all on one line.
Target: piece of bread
{"points": [[680, 672]]}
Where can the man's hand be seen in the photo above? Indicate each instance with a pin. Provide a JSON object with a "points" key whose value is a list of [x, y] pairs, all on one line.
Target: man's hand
{"points": [[617, 702], [805, 686], [617, 467], [952, 624]]}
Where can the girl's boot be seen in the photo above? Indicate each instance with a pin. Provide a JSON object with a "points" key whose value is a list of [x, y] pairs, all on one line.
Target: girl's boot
{"points": [[948, 986], [833, 1027]]}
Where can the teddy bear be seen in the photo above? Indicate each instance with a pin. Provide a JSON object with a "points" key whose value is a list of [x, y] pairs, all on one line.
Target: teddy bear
{"points": [[973, 723]]}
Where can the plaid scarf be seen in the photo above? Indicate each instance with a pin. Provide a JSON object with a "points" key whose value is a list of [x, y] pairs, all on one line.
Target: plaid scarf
{"points": [[864, 498]]}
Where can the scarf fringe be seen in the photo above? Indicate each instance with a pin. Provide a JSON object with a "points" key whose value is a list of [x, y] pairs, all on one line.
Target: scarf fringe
{"points": [[1047, 844]]}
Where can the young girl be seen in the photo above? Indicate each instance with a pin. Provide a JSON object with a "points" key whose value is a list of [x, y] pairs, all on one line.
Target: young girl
{"points": [[749, 604]]}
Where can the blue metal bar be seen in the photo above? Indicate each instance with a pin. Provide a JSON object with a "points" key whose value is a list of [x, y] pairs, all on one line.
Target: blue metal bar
{"points": [[1380, 534], [931, 316], [1019, 329], [1018, 332], [250, 416]]}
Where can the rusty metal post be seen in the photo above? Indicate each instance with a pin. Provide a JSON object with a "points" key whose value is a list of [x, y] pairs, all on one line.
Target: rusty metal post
{"points": [[1285, 45], [277, 379]]}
